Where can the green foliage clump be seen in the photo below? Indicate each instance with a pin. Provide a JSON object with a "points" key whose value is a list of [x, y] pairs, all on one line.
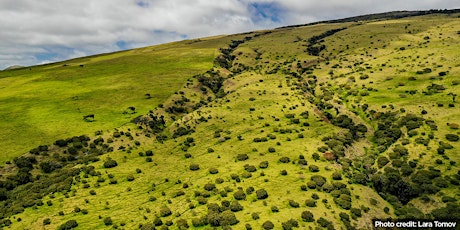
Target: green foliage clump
{"points": [[165, 211], [108, 221], [313, 168], [284, 160], [110, 163], [239, 195], [261, 194], [213, 171], [242, 157], [294, 204], [263, 164], [268, 225], [70, 224], [452, 137], [209, 187], [307, 216], [290, 224], [194, 167]]}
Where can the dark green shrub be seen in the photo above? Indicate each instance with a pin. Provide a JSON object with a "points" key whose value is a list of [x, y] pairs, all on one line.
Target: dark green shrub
{"points": [[228, 218], [310, 203], [284, 160], [235, 206], [209, 187], [290, 224], [239, 195], [452, 137], [70, 224], [201, 200], [61, 143], [110, 163], [355, 212], [382, 161], [182, 224], [294, 204], [302, 162], [268, 225], [261, 194], [242, 157], [255, 216], [194, 167], [307, 216], [313, 168], [47, 221], [323, 222], [250, 168], [336, 176], [304, 187], [213, 171], [108, 221], [319, 180], [275, 209], [165, 211], [263, 164]]}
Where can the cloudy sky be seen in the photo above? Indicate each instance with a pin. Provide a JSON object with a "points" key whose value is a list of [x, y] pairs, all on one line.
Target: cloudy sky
{"points": [[35, 32]]}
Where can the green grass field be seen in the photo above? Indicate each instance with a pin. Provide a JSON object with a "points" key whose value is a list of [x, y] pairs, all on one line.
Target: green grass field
{"points": [[46, 103], [282, 105]]}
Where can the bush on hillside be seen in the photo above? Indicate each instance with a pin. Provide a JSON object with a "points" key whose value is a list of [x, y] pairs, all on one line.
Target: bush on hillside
{"points": [[307, 216], [261, 194], [110, 163], [70, 224]]}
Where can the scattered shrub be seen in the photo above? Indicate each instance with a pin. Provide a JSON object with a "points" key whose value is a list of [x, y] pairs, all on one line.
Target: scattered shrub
{"points": [[242, 157], [110, 163], [310, 203], [70, 224], [209, 187], [284, 160], [194, 167], [263, 164], [239, 195], [261, 194], [313, 168], [108, 221], [47, 221], [307, 216], [293, 204], [213, 171], [165, 211], [268, 225], [452, 137]]}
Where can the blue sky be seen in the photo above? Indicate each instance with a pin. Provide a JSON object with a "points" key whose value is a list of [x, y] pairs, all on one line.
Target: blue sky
{"points": [[36, 32]]}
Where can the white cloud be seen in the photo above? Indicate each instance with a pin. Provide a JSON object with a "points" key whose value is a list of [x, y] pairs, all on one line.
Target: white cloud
{"points": [[75, 28]]}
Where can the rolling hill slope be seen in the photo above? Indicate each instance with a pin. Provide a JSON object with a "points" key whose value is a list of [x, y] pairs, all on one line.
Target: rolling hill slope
{"points": [[327, 125]]}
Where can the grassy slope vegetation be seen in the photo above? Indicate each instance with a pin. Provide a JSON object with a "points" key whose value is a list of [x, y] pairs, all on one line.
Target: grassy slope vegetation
{"points": [[319, 126], [43, 103]]}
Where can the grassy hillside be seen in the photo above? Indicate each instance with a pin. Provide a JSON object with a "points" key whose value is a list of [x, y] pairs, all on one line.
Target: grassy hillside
{"points": [[43, 103], [318, 126]]}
